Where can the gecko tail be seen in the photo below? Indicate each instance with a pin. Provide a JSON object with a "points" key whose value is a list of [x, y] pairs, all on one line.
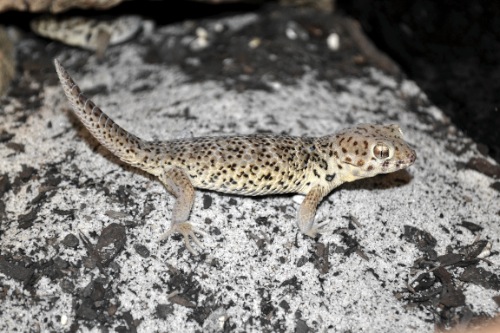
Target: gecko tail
{"points": [[126, 146]]}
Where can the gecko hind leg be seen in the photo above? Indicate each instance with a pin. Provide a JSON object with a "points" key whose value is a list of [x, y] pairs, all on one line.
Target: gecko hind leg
{"points": [[177, 183]]}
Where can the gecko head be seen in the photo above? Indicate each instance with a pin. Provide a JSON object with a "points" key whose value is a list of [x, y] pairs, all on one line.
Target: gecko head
{"points": [[367, 150]]}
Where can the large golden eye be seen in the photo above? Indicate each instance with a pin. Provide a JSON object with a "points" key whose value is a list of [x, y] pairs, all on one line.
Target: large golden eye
{"points": [[381, 151]]}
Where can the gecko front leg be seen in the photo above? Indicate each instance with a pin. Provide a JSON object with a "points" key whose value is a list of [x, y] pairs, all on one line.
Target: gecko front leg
{"points": [[307, 212], [178, 184]]}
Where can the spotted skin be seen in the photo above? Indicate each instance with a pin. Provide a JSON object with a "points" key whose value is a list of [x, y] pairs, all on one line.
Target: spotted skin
{"points": [[88, 33], [249, 165]]}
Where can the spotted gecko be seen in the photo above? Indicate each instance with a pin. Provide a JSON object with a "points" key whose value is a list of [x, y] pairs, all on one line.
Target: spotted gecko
{"points": [[248, 165], [88, 33]]}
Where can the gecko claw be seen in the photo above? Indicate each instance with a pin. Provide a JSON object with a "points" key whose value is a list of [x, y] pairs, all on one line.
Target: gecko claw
{"points": [[187, 231]]}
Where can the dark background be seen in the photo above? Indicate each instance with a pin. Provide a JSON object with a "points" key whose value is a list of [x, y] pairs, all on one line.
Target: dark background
{"points": [[451, 49]]}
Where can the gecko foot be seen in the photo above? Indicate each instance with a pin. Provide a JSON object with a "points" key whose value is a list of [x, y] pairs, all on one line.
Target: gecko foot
{"points": [[187, 231], [317, 228]]}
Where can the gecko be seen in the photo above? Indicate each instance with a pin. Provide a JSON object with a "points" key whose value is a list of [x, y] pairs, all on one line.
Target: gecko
{"points": [[88, 33], [249, 165]]}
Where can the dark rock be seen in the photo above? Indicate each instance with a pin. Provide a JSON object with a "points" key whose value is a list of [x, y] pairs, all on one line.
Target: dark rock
{"points": [[40, 198], [473, 250], [450, 259], [15, 270], [71, 241], [5, 136], [2, 211], [472, 227], [26, 221], [423, 282], [483, 166], [60, 263], [26, 173], [207, 201], [86, 311], [18, 147], [50, 269], [97, 292], [301, 326], [284, 305], [67, 286], [63, 212], [131, 323], [422, 239], [111, 242], [481, 277], [163, 310], [452, 297], [142, 250], [496, 186], [5, 184], [293, 282]]}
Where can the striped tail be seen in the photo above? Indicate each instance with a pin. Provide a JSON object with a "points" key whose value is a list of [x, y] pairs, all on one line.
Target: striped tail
{"points": [[124, 145]]}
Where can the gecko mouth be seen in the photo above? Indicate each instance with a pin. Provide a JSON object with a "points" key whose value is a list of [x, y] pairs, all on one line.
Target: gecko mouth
{"points": [[404, 163]]}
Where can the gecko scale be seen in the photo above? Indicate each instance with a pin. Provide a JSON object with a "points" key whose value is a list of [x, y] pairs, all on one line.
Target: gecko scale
{"points": [[248, 165]]}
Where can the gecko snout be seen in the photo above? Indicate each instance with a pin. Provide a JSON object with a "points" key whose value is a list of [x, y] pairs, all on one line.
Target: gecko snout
{"points": [[413, 156]]}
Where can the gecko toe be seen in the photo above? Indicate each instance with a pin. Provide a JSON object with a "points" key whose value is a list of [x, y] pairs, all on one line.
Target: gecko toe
{"points": [[317, 228], [188, 232]]}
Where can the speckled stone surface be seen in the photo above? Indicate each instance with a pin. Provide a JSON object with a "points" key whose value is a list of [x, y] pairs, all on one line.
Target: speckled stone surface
{"points": [[79, 230]]}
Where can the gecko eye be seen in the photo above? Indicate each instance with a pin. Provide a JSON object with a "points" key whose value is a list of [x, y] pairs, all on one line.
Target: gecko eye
{"points": [[381, 151]]}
